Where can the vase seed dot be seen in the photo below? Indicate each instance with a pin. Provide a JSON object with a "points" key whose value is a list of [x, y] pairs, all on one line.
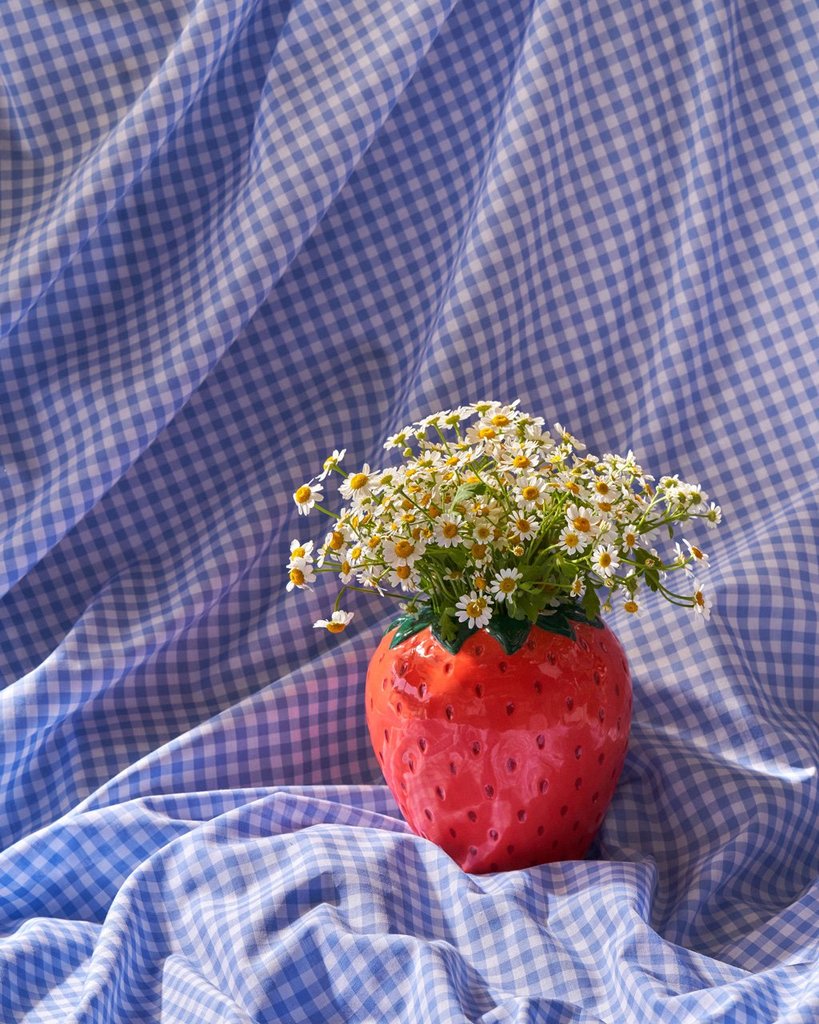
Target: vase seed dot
{"points": [[595, 797], [478, 651], [428, 813], [619, 724], [383, 684], [530, 644], [604, 647], [448, 668], [404, 668], [380, 757], [578, 752], [422, 690], [386, 735], [510, 849], [478, 690], [476, 748], [398, 706], [541, 741], [493, 834], [510, 709], [538, 687], [410, 762], [521, 815], [452, 768], [578, 782], [439, 792], [554, 844], [616, 689], [551, 658], [494, 866], [453, 833], [372, 703], [601, 758], [540, 830], [472, 815], [569, 703], [511, 764], [489, 790], [502, 666], [596, 677], [449, 712], [403, 786], [564, 810], [576, 826], [584, 646], [422, 744], [543, 785], [601, 714], [473, 851]]}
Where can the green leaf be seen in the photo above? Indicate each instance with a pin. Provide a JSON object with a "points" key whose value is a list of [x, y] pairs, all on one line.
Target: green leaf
{"points": [[510, 633], [410, 624], [452, 641], [591, 603]]}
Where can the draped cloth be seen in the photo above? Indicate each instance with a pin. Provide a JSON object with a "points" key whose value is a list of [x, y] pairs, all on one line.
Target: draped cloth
{"points": [[237, 235]]}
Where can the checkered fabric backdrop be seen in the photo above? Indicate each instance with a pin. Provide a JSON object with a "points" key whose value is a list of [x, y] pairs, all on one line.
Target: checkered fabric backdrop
{"points": [[239, 234]]}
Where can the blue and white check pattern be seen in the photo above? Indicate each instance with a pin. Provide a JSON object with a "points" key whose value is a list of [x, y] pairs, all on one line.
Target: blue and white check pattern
{"points": [[237, 235]]}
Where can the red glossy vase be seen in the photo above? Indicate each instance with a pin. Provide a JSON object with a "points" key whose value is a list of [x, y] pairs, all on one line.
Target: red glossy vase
{"points": [[503, 760]]}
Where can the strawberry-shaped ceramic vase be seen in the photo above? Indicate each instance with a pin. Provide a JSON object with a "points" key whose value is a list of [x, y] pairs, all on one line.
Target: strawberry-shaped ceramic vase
{"points": [[504, 749]]}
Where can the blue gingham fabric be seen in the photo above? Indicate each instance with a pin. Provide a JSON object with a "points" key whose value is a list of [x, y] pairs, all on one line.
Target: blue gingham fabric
{"points": [[236, 235]]}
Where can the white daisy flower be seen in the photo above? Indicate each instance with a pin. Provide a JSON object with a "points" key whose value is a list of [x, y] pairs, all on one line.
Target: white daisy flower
{"points": [[300, 552], [505, 583], [405, 577], [301, 576], [582, 519], [572, 540], [358, 485], [483, 531], [578, 587], [474, 609], [605, 560], [523, 527], [529, 493], [713, 517], [447, 530], [565, 437], [337, 622], [331, 462], [403, 551], [307, 495], [702, 604]]}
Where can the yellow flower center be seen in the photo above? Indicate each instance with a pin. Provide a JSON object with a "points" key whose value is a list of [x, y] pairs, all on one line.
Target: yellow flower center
{"points": [[517, 550], [346, 568], [581, 523], [487, 433], [530, 493], [480, 583], [297, 577], [483, 533], [605, 560], [523, 526], [336, 540], [572, 487], [499, 420], [403, 572], [355, 553], [696, 552], [475, 608], [302, 495], [630, 606], [404, 548], [629, 539], [571, 540], [604, 506], [478, 551], [699, 597], [298, 553], [450, 530], [521, 461], [601, 487], [507, 585], [336, 627], [358, 480]]}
